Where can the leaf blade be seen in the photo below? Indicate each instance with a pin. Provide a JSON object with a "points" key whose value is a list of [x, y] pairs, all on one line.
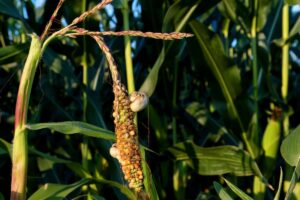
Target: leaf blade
{"points": [[222, 192], [214, 160], [290, 148], [73, 127], [238, 191]]}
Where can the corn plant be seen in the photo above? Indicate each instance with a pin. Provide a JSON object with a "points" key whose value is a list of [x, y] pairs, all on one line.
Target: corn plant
{"points": [[140, 116]]}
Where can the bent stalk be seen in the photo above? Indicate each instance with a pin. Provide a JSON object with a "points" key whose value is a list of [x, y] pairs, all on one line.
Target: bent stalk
{"points": [[20, 146]]}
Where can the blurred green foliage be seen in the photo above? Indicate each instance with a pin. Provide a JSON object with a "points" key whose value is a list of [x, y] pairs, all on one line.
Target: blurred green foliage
{"points": [[198, 127]]}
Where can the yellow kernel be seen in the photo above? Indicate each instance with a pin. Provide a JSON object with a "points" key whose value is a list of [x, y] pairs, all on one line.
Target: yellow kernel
{"points": [[139, 172], [126, 176], [131, 133]]}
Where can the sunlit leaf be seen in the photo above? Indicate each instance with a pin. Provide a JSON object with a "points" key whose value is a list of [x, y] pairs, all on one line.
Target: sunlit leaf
{"points": [[222, 192], [295, 29], [270, 145], [277, 196], [214, 160], [293, 182], [60, 191], [148, 181], [290, 148], [292, 2], [290, 151], [264, 9], [73, 127], [238, 191], [56, 191]]}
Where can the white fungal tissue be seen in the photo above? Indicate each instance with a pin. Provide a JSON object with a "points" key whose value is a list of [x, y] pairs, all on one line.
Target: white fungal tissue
{"points": [[139, 101], [114, 151]]}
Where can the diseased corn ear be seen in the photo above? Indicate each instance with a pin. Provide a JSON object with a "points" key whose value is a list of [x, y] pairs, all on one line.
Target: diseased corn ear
{"points": [[126, 149]]}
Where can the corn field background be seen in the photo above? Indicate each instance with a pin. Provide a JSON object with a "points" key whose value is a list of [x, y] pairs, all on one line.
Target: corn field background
{"points": [[219, 119]]}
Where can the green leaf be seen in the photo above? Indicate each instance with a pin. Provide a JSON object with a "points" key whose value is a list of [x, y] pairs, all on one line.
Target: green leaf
{"points": [[290, 148], [237, 12], [292, 2], [159, 126], [148, 180], [150, 82], [56, 191], [73, 127], [293, 34], [11, 53], [175, 14], [1, 197], [222, 192], [295, 29], [270, 145], [5, 147], [290, 151], [60, 191], [225, 72], [47, 161], [124, 189], [7, 7], [58, 64], [237, 191], [79, 171], [264, 8], [279, 185], [198, 111], [293, 182], [214, 160]]}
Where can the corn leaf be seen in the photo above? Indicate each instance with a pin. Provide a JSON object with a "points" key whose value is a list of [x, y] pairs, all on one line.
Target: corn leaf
{"points": [[73, 127], [292, 2], [182, 13], [290, 148], [5, 147], [236, 11], [58, 64], [10, 53], [222, 192], [293, 182], [279, 186], [150, 185], [56, 191], [214, 160], [237, 191], [60, 191], [7, 7], [270, 145], [225, 72], [290, 151], [264, 9], [47, 161]]}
